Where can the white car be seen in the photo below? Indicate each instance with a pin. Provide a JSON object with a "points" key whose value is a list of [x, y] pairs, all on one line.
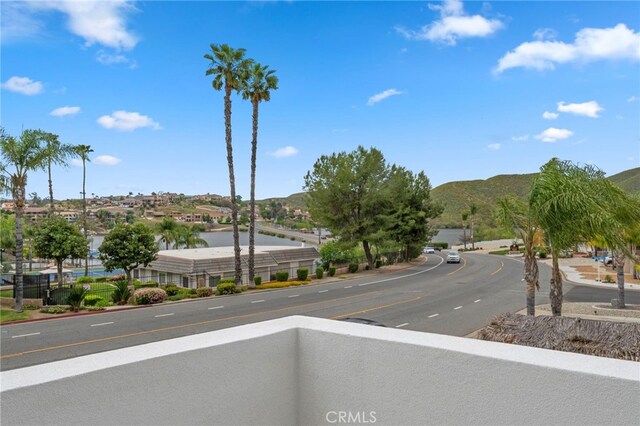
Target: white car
{"points": [[453, 257], [429, 250]]}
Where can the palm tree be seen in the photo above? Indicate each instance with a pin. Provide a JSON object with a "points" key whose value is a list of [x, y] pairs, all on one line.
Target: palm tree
{"points": [[514, 214], [189, 238], [228, 66], [167, 230], [473, 210], [260, 80], [83, 152], [25, 155], [465, 215], [58, 154]]}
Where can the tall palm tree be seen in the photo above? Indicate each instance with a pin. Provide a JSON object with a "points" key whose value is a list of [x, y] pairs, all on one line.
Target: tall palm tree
{"points": [[465, 216], [228, 66], [24, 155], [58, 154], [83, 152], [473, 210], [167, 228], [515, 215], [260, 81]]}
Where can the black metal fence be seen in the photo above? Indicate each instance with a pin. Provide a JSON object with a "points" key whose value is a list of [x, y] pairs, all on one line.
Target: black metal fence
{"points": [[33, 286], [41, 287]]}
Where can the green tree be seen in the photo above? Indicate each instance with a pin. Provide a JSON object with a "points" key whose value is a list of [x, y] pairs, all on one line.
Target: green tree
{"points": [[58, 154], [473, 211], [515, 215], [23, 155], [57, 239], [228, 66], [259, 82], [344, 193], [167, 229], [188, 237], [83, 152], [465, 216], [126, 247]]}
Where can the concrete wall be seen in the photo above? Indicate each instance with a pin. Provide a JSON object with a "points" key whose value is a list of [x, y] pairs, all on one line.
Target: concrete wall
{"points": [[300, 370]]}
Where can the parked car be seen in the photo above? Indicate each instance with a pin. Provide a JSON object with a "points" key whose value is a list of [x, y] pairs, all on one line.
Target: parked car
{"points": [[429, 250], [453, 257], [608, 260]]}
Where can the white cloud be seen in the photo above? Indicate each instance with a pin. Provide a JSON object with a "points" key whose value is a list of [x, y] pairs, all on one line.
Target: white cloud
{"points": [[494, 146], [588, 109], [453, 24], [550, 115], [64, 111], [552, 135], [127, 121], [106, 160], [520, 138], [545, 34], [23, 85], [76, 162], [287, 151], [633, 99], [97, 22], [383, 95], [590, 44], [106, 58]]}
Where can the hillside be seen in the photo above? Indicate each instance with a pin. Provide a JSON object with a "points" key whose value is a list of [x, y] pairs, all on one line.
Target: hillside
{"points": [[294, 201], [457, 196]]}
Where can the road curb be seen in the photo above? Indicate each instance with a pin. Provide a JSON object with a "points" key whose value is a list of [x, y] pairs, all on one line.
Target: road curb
{"points": [[75, 314]]}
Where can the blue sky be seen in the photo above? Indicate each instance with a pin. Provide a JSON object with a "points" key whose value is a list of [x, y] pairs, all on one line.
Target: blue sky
{"points": [[459, 90]]}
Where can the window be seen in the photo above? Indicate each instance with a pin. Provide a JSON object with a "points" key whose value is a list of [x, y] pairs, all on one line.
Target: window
{"points": [[185, 281], [136, 273], [214, 280], [163, 278]]}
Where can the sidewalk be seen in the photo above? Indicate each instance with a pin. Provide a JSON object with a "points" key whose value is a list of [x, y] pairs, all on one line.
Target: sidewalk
{"points": [[583, 271]]}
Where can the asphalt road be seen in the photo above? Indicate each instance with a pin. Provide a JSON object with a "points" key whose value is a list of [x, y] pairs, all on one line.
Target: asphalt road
{"points": [[436, 297]]}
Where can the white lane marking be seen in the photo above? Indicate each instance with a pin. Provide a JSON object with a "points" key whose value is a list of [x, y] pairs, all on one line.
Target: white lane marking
{"points": [[405, 276], [215, 307], [349, 286], [459, 307], [293, 295], [323, 291], [164, 315], [257, 301], [25, 335], [476, 301], [433, 316], [402, 325], [102, 323]]}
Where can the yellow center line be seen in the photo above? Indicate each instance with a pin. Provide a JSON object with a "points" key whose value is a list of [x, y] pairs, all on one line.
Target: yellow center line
{"points": [[377, 308], [499, 269], [464, 263], [176, 327]]}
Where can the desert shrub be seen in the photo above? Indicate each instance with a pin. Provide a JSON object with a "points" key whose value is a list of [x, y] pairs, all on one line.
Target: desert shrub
{"points": [[84, 280], [149, 284], [171, 290], [257, 280], [608, 279], [332, 271], [53, 310], [319, 272], [204, 292], [282, 276], [149, 296], [302, 274], [226, 288], [353, 267], [121, 293], [92, 299], [76, 296], [102, 303]]}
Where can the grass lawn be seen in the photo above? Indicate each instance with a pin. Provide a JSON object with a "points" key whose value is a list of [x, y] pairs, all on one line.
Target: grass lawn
{"points": [[6, 293], [7, 315]]}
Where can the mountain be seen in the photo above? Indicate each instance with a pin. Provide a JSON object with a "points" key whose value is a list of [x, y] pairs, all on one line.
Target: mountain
{"points": [[293, 201], [457, 196]]}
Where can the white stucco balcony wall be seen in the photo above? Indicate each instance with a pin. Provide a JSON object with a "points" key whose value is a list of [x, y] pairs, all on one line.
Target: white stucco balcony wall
{"points": [[301, 370]]}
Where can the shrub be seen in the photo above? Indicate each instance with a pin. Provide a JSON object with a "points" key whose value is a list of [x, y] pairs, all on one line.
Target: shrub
{"points": [[282, 276], [227, 280], [279, 284], [76, 296], [332, 271], [101, 279], [226, 288], [116, 278], [121, 293], [204, 292], [443, 245], [193, 291], [92, 299], [103, 303], [608, 279], [353, 267], [302, 274], [319, 272], [84, 280], [542, 254], [149, 296], [30, 307], [244, 288], [257, 280], [149, 284], [53, 310], [176, 297], [171, 290], [95, 308], [136, 283], [378, 263]]}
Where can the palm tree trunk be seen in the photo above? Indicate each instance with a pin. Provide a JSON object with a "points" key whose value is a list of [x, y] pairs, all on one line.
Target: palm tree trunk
{"points": [[555, 291], [531, 275], [50, 189], [84, 214], [252, 201], [464, 236], [473, 242], [620, 259], [232, 187], [19, 247]]}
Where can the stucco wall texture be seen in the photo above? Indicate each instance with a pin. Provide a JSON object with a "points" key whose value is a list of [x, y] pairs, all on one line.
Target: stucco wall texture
{"points": [[301, 370]]}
